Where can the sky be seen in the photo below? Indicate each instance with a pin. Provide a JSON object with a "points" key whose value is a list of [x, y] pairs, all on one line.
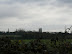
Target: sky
{"points": [[50, 15]]}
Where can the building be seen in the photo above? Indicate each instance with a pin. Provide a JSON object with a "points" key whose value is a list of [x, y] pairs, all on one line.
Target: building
{"points": [[40, 29], [8, 30]]}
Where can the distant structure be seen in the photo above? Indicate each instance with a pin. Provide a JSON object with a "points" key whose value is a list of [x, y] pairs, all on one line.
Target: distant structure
{"points": [[40, 29], [8, 29]]}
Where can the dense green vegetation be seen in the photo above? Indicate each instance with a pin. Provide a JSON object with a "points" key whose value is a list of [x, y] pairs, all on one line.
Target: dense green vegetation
{"points": [[35, 46]]}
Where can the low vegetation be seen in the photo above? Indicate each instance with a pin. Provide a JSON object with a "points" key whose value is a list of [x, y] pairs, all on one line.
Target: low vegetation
{"points": [[35, 46]]}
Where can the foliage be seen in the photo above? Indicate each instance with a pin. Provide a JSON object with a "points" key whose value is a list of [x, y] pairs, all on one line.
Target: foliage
{"points": [[35, 46]]}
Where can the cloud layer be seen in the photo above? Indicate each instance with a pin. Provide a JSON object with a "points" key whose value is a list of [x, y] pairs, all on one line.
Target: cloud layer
{"points": [[33, 14]]}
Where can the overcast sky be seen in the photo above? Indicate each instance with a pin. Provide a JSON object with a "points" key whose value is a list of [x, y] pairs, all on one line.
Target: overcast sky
{"points": [[50, 15]]}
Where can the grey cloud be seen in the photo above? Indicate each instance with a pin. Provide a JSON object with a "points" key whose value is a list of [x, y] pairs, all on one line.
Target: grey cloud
{"points": [[40, 2], [37, 2], [22, 1], [65, 1], [7, 12], [36, 12]]}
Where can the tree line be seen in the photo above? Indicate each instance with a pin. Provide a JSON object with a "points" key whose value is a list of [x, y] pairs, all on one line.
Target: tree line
{"points": [[38, 35]]}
